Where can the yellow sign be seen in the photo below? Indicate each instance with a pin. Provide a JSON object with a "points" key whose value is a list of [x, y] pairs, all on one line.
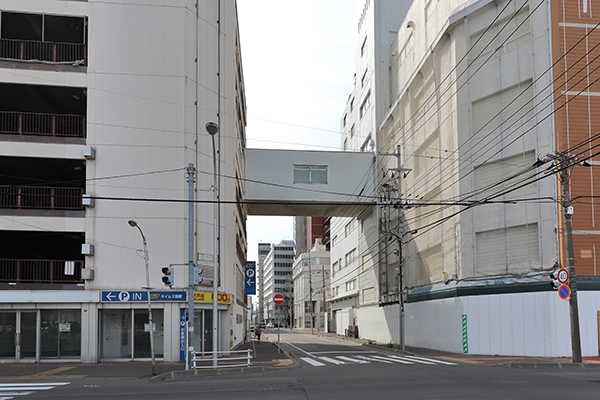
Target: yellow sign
{"points": [[206, 297]]}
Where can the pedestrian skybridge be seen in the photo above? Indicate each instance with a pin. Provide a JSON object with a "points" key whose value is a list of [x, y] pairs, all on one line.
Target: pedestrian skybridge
{"points": [[309, 183]]}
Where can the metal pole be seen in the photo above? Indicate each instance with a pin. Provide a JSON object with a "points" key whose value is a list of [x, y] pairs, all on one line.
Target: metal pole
{"points": [[215, 336], [569, 254], [310, 291], [190, 174], [278, 330], [134, 224], [150, 319]]}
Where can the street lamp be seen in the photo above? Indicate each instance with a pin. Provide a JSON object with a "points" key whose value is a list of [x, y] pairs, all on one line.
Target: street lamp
{"points": [[212, 129], [134, 224]]}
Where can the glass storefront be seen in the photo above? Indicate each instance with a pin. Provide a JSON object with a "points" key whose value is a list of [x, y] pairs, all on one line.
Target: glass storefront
{"points": [[59, 334], [125, 334]]}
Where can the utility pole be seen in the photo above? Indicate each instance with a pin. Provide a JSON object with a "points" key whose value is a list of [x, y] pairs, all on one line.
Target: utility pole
{"points": [[400, 286], [191, 179], [570, 257], [310, 290], [564, 162]]}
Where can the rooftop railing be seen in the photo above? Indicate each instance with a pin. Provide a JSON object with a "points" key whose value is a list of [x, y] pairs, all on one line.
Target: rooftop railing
{"points": [[57, 125]]}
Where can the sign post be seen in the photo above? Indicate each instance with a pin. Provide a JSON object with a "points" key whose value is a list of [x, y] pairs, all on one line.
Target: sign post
{"points": [[278, 300]]}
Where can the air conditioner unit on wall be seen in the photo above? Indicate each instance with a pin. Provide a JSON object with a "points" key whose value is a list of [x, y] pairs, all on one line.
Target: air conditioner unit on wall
{"points": [[87, 249]]}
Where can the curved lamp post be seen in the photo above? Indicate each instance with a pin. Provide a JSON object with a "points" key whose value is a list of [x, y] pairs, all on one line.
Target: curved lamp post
{"points": [[212, 129], [134, 224]]}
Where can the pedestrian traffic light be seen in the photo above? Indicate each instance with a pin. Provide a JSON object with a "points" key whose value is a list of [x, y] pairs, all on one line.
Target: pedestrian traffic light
{"points": [[168, 276], [554, 282]]}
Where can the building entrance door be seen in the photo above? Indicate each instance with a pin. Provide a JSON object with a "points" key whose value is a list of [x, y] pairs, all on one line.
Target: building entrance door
{"points": [[203, 330], [18, 335]]}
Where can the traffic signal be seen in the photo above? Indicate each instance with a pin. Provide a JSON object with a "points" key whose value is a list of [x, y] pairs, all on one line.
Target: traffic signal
{"points": [[554, 282], [168, 276], [197, 277]]}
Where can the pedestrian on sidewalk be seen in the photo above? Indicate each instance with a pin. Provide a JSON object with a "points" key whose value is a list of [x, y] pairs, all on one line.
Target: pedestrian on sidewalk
{"points": [[258, 332]]}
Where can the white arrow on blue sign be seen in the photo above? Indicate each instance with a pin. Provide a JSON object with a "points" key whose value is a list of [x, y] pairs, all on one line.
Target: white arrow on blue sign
{"points": [[128, 296], [250, 277]]}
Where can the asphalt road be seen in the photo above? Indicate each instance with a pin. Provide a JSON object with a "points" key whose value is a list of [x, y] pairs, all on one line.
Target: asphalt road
{"points": [[379, 375]]}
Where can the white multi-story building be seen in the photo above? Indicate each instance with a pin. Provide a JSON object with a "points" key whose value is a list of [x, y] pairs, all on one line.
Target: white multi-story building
{"points": [[466, 111], [311, 287], [263, 251], [109, 100], [278, 279]]}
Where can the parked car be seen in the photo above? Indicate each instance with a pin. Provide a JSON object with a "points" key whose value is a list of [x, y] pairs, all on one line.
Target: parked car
{"points": [[270, 325], [262, 325]]}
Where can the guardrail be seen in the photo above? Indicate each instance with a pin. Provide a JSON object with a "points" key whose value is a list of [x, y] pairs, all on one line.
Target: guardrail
{"points": [[226, 360], [57, 125], [40, 271], [17, 49]]}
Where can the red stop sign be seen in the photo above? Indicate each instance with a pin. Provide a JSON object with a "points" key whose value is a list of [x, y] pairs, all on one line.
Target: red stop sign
{"points": [[278, 299]]}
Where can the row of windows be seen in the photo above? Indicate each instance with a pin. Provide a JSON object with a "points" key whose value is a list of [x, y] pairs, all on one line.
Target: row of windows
{"points": [[284, 248], [284, 256], [282, 273], [289, 265], [283, 290], [282, 281]]}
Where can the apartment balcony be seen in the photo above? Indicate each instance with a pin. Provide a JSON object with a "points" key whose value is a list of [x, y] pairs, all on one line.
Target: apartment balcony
{"points": [[40, 271], [55, 125], [33, 50], [40, 198]]}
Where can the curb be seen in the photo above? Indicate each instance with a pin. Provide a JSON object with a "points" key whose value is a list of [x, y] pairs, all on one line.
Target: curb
{"points": [[200, 373]]}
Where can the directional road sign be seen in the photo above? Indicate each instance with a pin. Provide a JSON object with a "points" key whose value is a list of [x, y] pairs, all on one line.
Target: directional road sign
{"points": [[278, 299], [250, 277], [130, 296], [564, 292]]}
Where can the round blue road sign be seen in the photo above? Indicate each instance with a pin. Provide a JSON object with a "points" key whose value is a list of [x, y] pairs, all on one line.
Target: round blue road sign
{"points": [[564, 292]]}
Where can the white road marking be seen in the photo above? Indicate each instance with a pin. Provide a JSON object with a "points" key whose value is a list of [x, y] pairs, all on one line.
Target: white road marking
{"points": [[354, 360], [412, 360], [432, 360], [312, 361], [394, 359], [374, 359], [331, 360]]}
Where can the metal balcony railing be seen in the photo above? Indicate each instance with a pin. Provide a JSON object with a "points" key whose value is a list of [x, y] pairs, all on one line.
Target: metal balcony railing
{"points": [[44, 198], [34, 50], [40, 271], [58, 125]]}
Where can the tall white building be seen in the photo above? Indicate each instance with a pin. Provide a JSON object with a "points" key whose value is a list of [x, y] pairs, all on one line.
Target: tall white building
{"points": [[109, 101], [278, 279], [311, 288], [467, 111]]}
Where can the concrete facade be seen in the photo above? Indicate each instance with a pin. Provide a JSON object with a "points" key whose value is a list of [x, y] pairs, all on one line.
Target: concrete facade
{"points": [[469, 111], [149, 76]]}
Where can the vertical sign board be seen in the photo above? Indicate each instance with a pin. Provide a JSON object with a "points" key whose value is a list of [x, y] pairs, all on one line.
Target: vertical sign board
{"points": [[250, 277], [182, 335]]}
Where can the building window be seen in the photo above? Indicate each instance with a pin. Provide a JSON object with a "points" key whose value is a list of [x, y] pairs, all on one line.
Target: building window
{"points": [[344, 121], [345, 144], [367, 145], [351, 104], [365, 104], [350, 257], [363, 48], [363, 79], [352, 130], [310, 173], [351, 285]]}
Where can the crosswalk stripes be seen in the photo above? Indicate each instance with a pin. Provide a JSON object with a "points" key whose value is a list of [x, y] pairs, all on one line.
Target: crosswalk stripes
{"points": [[322, 361], [10, 390]]}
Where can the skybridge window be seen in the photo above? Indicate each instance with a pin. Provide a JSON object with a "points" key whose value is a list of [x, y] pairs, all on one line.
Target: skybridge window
{"points": [[310, 174]]}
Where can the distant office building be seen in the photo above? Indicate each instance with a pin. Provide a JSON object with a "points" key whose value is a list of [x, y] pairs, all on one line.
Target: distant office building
{"points": [[278, 279]]}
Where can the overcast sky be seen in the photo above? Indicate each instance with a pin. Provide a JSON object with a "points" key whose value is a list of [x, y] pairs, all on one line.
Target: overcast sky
{"points": [[298, 60]]}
